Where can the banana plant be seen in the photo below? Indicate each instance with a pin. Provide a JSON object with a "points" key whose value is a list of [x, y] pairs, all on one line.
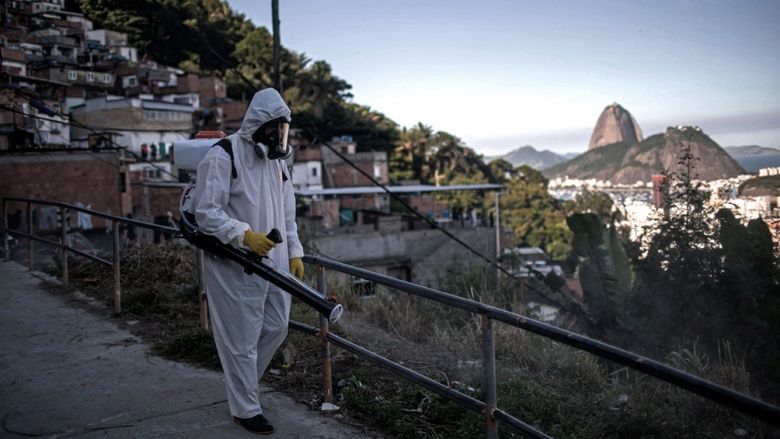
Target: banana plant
{"points": [[602, 269]]}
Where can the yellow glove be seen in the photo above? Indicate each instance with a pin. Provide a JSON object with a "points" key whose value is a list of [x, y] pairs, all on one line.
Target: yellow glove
{"points": [[258, 242], [296, 267]]}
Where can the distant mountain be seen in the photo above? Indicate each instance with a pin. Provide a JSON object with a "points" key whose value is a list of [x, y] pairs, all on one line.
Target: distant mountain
{"points": [[628, 162], [614, 125], [754, 157], [528, 155], [750, 150]]}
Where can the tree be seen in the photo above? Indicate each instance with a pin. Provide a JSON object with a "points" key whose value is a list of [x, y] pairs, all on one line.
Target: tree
{"points": [[502, 171], [199, 35], [531, 175], [410, 158], [320, 87], [597, 202], [678, 275], [683, 241], [534, 216], [706, 277]]}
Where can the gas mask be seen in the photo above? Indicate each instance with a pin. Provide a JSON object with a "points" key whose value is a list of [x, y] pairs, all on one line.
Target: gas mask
{"points": [[273, 134]]}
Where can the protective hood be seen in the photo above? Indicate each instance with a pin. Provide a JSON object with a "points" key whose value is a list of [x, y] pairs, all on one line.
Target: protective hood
{"points": [[266, 105]]}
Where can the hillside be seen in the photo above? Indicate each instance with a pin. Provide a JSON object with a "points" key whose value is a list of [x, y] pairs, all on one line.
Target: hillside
{"points": [[601, 163], [761, 186], [530, 156], [626, 163]]}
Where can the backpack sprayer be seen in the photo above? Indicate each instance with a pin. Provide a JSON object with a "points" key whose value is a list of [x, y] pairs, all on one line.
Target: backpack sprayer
{"points": [[188, 154]]}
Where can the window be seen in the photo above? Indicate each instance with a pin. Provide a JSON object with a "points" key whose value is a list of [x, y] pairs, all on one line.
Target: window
{"points": [[131, 81], [90, 76], [107, 78], [313, 172], [72, 75], [165, 115]]}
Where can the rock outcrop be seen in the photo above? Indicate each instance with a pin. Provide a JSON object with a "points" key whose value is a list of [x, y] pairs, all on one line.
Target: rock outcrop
{"points": [[628, 162], [615, 125]]}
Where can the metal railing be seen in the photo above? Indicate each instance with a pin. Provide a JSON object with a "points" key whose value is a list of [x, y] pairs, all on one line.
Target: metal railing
{"points": [[717, 393], [64, 248], [488, 314]]}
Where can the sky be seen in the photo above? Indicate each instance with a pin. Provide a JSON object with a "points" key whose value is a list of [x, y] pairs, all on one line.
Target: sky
{"points": [[501, 74]]}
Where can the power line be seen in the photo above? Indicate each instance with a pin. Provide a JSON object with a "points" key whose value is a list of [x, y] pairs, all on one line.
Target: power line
{"points": [[206, 44], [353, 165], [126, 149], [432, 223]]}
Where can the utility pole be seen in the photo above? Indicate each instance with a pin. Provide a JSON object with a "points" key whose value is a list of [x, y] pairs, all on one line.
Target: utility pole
{"points": [[497, 221], [277, 48]]}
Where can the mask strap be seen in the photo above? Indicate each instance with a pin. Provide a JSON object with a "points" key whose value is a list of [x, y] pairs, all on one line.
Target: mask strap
{"points": [[259, 150]]}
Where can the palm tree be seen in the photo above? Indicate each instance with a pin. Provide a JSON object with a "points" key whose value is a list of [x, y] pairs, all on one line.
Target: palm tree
{"points": [[412, 152], [321, 87]]}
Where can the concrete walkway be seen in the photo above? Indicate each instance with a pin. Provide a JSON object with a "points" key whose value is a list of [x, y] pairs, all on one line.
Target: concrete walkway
{"points": [[69, 373]]}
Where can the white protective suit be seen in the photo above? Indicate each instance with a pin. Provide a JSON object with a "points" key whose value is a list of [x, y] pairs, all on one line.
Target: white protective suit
{"points": [[249, 316]]}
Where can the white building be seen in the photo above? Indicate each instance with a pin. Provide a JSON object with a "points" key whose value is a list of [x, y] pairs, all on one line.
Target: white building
{"points": [[134, 121], [116, 42], [307, 170]]}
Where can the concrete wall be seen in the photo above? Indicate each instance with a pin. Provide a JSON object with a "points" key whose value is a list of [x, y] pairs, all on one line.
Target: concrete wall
{"points": [[92, 179], [426, 253]]}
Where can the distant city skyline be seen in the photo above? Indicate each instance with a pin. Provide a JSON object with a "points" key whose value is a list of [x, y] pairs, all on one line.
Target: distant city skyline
{"points": [[501, 74]]}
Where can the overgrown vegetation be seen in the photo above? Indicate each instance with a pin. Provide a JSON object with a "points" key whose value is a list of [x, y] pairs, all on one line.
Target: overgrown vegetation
{"points": [[159, 289], [698, 278], [562, 391]]}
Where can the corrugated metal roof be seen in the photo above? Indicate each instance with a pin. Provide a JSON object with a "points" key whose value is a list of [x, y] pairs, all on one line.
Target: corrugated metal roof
{"points": [[418, 188]]}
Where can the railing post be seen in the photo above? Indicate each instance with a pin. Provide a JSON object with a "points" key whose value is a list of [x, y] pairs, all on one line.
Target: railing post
{"points": [[202, 298], [6, 235], [63, 244], [489, 370], [30, 241], [327, 379], [116, 265]]}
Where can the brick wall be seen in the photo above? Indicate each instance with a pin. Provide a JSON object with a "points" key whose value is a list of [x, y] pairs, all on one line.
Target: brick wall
{"points": [[328, 210], [151, 199], [367, 202], [426, 204], [340, 174], [91, 179]]}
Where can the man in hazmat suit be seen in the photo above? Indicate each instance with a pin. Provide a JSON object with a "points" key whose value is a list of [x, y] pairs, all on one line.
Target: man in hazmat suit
{"points": [[242, 192]]}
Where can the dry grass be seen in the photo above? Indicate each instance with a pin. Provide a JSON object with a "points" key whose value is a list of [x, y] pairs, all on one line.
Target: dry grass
{"points": [[564, 392]]}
